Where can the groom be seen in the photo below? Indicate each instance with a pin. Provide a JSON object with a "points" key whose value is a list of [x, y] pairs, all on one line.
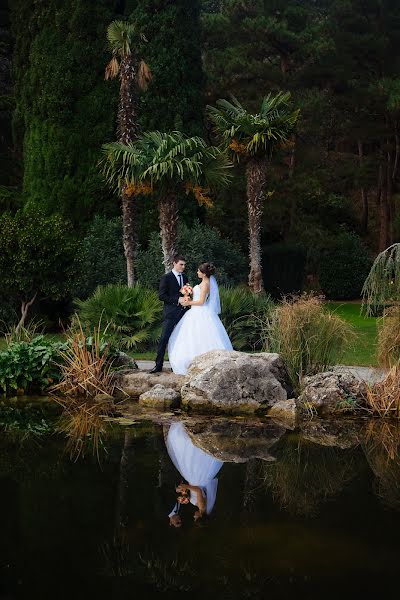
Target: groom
{"points": [[169, 293]]}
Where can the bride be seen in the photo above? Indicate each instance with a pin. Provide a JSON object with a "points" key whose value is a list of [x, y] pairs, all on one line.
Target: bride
{"points": [[201, 329]]}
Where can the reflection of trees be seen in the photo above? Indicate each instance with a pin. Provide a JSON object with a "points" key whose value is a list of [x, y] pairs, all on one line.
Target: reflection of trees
{"points": [[306, 475], [381, 445]]}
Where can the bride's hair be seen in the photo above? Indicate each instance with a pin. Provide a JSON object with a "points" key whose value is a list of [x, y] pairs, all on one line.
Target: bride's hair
{"points": [[207, 268]]}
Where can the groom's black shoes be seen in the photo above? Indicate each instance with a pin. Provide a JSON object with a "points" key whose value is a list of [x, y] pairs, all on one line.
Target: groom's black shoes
{"points": [[156, 370]]}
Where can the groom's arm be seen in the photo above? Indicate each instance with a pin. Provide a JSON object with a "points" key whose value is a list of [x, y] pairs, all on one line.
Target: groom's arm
{"points": [[164, 294]]}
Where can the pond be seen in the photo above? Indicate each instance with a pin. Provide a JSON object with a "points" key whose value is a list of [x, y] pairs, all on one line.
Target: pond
{"points": [[306, 511]]}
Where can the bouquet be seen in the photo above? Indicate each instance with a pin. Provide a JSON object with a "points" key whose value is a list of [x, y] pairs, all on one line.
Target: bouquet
{"points": [[187, 291]]}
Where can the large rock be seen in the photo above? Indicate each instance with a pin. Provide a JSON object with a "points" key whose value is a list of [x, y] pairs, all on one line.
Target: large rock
{"points": [[332, 392], [230, 381], [160, 397], [134, 383]]}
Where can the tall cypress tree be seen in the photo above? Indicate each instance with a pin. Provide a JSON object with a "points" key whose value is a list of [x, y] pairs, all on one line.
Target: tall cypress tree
{"points": [[175, 96], [64, 109]]}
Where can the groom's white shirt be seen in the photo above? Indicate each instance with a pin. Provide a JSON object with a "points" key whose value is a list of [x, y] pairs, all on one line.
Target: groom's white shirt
{"points": [[177, 276]]}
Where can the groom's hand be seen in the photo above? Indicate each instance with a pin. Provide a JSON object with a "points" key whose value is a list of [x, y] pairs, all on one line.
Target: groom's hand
{"points": [[182, 301]]}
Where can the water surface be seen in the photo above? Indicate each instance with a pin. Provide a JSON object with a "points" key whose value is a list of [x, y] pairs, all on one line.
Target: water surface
{"points": [[311, 512]]}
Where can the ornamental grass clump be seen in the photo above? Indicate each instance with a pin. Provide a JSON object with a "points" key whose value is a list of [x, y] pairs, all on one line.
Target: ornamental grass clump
{"points": [[85, 364], [383, 398], [308, 337], [389, 337]]}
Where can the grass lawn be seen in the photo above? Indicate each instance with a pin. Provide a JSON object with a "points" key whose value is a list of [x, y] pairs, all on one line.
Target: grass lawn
{"points": [[362, 351]]}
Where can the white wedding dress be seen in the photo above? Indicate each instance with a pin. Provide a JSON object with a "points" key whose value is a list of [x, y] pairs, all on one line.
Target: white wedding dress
{"points": [[196, 466], [200, 330]]}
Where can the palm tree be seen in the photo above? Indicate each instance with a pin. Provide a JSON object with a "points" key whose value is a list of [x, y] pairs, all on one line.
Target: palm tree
{"points": [[134, 76], [162, 164], [254, 137]]}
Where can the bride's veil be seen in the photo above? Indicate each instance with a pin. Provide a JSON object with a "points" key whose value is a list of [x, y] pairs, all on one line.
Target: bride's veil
{"points": [[214, 300]]}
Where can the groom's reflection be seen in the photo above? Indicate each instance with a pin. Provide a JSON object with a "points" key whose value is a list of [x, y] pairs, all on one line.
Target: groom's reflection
{"points": [[198, 471]]}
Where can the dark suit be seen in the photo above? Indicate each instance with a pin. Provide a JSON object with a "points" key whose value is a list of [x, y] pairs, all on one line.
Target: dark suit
{"points": [[173, 311]]}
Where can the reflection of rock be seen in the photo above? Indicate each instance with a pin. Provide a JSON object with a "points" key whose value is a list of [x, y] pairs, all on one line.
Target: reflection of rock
{"points": [[231, 441], [160, 397], [285, 412], [135, 383], [331, 392], [334, 433], [235, 381]]}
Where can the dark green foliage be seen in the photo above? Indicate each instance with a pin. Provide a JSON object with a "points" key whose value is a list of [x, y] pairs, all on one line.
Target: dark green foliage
{"points": [[103, 258], [175, 96], [130, 317], [198, 244], [343, 267], [284, 269], [30, 367], [37, 256], [243, 314], [64, 108]]}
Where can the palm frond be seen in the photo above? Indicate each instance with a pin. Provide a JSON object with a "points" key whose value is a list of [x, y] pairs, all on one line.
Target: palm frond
{"points": [[144, 76], [120, 36], [254, 134]]}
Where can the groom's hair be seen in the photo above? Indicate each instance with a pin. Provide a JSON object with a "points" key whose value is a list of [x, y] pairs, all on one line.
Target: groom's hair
{"points": [[179, 257]]}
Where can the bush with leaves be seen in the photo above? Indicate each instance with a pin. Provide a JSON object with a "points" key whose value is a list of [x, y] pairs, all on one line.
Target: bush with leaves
{"points": [[130, 316], [198, 244], [38, 257], [343, 266], [243, 314], [29, 366]]}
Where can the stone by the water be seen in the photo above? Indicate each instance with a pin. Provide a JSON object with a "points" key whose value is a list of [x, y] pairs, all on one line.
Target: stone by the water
{"points": [[285, 411], [332, 392], [230, 381], [160, 397], [134, 383]]}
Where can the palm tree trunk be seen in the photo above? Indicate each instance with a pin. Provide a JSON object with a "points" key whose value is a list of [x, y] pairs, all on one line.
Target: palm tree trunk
{"points": [[128, 131], [129, 235], [256, 175], [168, 209]]}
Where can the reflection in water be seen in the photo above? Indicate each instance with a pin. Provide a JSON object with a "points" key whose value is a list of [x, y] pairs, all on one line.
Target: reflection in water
{"points": [[82, 422], [382, 449], [197, 468], [72, 521], [305, 475]]}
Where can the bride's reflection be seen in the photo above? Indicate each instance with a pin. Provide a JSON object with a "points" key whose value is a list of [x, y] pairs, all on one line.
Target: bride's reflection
{"points": [[197, 468]]}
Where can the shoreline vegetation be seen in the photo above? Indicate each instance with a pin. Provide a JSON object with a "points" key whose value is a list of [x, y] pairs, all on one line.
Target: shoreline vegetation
{"points": [[361, 352]]}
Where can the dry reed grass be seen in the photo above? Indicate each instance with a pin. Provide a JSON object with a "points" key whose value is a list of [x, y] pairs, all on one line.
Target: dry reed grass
{"points": [[85, 365], [389, 337], [307, 336], [383, 398]]}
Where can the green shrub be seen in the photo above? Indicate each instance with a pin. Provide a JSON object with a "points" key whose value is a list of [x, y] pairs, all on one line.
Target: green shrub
{"points": [[343, 266], [198, 244], [103, 259], [29, 366], [307, 336], [132, 316], [243, 314]]}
